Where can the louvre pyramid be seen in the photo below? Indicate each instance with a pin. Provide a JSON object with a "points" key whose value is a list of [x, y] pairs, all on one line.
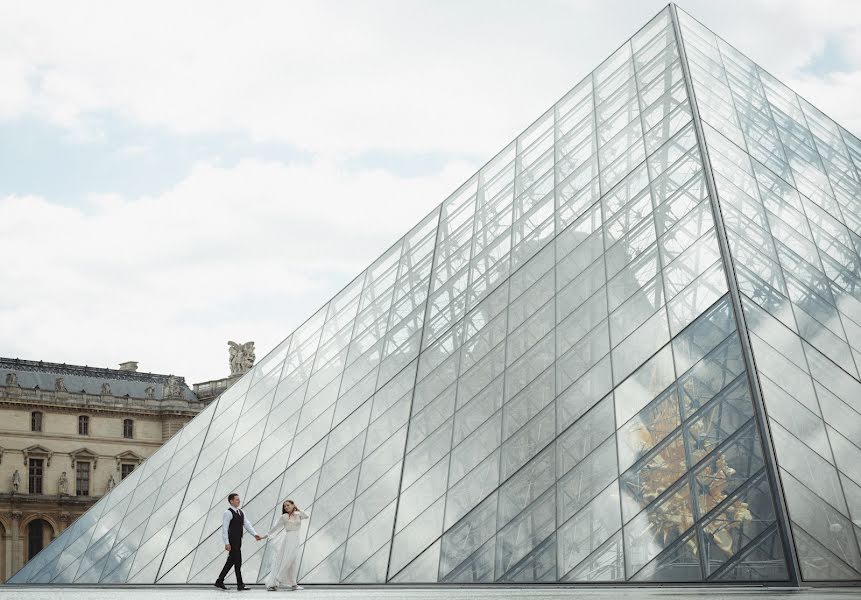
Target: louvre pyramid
{"points": [[626, 349]]}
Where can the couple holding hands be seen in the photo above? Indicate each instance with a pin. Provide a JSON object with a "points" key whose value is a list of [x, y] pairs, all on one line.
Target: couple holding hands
{"points": [[286, 561]]}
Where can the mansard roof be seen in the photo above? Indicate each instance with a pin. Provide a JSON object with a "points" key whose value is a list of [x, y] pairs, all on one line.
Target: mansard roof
{"points": [[83, 378]]}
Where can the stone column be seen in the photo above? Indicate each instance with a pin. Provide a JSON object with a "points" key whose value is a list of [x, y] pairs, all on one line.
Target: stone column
{"points": [[64, 522], [17, 548], [7, 568]]}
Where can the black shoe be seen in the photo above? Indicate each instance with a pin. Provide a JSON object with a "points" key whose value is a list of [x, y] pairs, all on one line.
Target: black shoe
{"points": [[243, 588], [220, 585]]}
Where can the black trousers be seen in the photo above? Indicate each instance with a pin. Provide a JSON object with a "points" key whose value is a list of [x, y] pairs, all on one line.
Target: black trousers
{"points": [[234, 559]]}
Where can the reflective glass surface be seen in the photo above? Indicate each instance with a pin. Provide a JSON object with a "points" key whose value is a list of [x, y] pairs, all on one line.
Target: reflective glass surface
{"points": [[545, 379], [789, 190]]}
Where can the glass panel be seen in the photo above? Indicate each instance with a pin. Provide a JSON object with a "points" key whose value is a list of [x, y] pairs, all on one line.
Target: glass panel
{"points": [[681, 562], [811, 469], [588, 529], [740, 520], [648, 428], [658, 526], [528, 529], [644, 385], [607, 563], [468, 535], [577, 487], [827, 526]]}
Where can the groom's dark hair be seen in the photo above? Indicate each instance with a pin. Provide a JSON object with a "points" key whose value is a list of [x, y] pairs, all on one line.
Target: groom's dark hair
{"points": [[232, 496]]}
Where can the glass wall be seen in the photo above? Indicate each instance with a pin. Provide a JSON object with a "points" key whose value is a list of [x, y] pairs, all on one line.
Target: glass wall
{"points": [[790, 197], [544, 380]]}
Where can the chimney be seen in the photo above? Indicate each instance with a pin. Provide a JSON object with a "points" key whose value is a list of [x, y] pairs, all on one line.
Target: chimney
{"points": [[129, 366]]}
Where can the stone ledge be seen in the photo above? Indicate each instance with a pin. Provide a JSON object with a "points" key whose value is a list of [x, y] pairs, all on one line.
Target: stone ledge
{"points": [[18, 499], [15, 396]]}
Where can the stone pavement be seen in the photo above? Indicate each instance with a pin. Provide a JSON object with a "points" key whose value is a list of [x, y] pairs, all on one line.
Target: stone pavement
{"points": [[436, 593]]}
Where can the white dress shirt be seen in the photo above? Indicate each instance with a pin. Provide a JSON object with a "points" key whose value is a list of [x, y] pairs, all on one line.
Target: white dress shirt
{"points": [[225, 522]]}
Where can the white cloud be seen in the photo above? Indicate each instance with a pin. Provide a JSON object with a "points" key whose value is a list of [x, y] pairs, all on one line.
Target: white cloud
{"points": [[334, 77], [250, 251], [245, 252], [785, 36]]}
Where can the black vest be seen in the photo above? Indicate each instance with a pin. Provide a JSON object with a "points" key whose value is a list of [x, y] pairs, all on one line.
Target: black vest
{"points": [[234, 529]]}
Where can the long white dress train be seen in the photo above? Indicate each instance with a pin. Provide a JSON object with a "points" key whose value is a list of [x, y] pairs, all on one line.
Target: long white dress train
{"points": [[286, 563]]}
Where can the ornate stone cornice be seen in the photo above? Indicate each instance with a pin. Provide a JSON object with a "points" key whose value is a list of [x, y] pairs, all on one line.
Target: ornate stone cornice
{"points": [[84, 454], [128, 457], [38, 451], [26, 436], [95, 403], [8, 500], [125, 456]]}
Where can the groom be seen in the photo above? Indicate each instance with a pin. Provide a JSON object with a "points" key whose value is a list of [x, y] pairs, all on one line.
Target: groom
{"points": [[232, 524]]}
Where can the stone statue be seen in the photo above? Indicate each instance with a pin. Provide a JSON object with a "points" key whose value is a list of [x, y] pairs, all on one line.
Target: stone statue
{"points": [[59, 385], [241, 357], [16, 481], [63, 485], [150, 392], [11, 379], [106, 388], [172, 389], [111, 484]]}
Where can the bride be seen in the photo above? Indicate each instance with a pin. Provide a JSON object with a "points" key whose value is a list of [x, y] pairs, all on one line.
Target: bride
{"points": [[286, 561]]}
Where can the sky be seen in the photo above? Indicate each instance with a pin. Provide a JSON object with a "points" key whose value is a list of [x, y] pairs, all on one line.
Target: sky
{"points": [[177, 175]]}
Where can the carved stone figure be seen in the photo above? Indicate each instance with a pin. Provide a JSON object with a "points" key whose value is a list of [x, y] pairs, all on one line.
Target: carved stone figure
{"points": [[16, 480], [111, 483], [150, 392], [59, 385], [63, 485], [11, 379], [106, 388], [172, 389], [241, 357]]}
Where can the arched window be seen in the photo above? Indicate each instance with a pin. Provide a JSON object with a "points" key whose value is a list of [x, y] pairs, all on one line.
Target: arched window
{"points": [[128, 428], [35, 421], [83, 425], [35, 537]]}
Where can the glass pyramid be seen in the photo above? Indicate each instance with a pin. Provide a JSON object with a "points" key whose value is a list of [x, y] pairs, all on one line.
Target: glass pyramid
{"points": [[626, 350]]}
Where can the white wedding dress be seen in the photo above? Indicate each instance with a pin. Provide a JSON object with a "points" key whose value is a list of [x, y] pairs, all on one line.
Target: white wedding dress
{"points": [[286, 537]]}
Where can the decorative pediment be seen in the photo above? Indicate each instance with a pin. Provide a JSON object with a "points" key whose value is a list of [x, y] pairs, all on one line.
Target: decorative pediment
{"points": [[84, 454], [128, 457], [37, 451]]}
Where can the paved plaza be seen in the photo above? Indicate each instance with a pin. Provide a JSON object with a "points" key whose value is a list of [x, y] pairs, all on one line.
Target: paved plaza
{"points": [[436, 593]]}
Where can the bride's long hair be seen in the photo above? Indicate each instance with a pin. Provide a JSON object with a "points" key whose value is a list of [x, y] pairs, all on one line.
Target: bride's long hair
{"points": [[284, 508]]}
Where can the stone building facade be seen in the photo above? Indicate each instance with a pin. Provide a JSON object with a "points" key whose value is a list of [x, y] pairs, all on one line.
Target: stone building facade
{"points": [[70, 433]]}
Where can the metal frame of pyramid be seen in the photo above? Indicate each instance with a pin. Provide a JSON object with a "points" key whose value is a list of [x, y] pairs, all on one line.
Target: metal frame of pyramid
{"points": [[626, 350]]}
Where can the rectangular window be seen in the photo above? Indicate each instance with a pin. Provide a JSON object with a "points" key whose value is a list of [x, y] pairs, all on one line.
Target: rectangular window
{"points": [[35, 471], [36, 421], [128, 428], [82, 478], [83, 425], [126, 470]]}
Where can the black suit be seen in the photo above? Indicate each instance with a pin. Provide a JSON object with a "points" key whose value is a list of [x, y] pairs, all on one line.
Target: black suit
{"points": [[234, 556]]}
